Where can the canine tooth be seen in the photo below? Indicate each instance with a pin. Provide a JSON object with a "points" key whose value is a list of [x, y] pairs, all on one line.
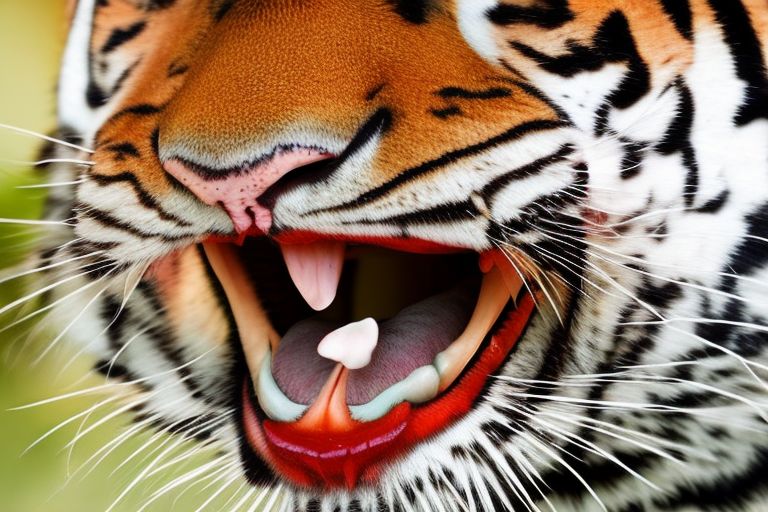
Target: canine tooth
{"points": [[351, 345], [315, 269], [253, 326], [271, 398], [422, 385], [498, 259], [494, 296]]}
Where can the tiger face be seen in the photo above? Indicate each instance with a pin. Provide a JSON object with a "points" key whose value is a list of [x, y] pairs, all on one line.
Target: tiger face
{"points": [[428, 255]]}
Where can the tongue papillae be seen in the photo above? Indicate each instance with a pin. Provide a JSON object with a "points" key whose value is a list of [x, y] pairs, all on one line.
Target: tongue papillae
{"points": [[315, 269]]}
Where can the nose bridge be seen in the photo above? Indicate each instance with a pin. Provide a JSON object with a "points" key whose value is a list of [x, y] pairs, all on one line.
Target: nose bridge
{"points": [[238, 190], [268, 67]]}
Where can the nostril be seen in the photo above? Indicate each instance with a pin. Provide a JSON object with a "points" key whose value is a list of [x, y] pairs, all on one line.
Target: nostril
{"points": [[248, 193], [311, 173]]}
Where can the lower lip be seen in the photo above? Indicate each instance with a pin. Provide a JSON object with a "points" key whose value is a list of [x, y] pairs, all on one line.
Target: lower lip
{"points": [[331, 460]]}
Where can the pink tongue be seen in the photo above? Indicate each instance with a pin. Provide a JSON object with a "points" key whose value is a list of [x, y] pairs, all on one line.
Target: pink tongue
{"points": [[409, 340], [315, 269]]}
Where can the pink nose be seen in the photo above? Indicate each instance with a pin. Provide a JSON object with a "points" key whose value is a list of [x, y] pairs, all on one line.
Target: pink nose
{"points": [[239, 192]]}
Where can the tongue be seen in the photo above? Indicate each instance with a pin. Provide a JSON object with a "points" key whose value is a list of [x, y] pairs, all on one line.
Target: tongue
{"points": [[315, 269], [406, 342]]}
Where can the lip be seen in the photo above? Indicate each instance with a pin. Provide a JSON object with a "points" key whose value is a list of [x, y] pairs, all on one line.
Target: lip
{"points": [[356, 456]]}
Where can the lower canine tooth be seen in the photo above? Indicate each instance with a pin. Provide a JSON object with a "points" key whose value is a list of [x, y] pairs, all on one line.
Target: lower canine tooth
{"points": [[271, 398], [494, 296], [420, 386]]}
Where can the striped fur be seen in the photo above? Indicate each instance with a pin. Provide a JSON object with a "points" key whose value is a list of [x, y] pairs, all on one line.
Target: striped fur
{"points": [[619, 144]]}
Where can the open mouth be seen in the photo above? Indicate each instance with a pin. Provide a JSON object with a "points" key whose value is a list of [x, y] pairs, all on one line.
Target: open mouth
{"points": [[357, 353]]}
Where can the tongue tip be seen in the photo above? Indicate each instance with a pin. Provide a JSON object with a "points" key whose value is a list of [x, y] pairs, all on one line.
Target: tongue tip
{"points": [[315, 270], [320, 300]]}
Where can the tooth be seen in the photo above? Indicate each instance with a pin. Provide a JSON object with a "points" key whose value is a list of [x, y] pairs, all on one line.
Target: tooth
{"points": [[271, 398], [315, 269], [253, 326], [504, 262], [420, 386], [494, 296], [351, 345]]}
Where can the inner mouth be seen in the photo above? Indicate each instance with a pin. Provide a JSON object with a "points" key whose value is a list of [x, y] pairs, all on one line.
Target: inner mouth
{"points": [[420, 305], [348, 343]]}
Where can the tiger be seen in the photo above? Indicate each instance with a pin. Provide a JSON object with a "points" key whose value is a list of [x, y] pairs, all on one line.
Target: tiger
{"points": [[426, 255]]}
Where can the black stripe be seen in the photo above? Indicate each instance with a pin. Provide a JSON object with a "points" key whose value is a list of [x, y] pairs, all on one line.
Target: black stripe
{"points": [[751, 255], [494, 187], [613, 42], [122, 151], [412, 11], [121, 36], [176, 69], [731, 491], [439, 214], [223, 9], [746, 50], [678, 139], [547, 14], [448, 158], [141, 110], [143, 196], [466, 94], [95, 96], [200, 428], [539, 95], [445, 113], [110, 221], [682, 16], [632, 162], [373, 93], [157, 5], [715, 204], [168, 345], [115, 316]]}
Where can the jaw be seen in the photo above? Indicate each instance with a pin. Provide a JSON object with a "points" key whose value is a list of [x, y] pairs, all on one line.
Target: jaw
{"points": [[320, 424]]}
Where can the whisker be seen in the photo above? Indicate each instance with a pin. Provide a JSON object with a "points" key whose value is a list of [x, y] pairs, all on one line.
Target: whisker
{"points": [[33, 222], [49, 267], [112, 385], [45, 137], [50, 185], [47, 288]]}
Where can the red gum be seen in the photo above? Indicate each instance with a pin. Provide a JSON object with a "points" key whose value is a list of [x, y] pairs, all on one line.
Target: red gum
{"points": [[296, 458], [412, 245]]}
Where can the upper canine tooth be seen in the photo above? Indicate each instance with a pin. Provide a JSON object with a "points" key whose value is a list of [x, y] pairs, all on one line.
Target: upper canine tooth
{"points": [[506, 264], [256, 333], [315, 269], [351, 345]]}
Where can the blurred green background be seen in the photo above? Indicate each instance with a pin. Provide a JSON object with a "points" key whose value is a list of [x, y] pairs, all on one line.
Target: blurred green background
{"points": [[46, 477]]}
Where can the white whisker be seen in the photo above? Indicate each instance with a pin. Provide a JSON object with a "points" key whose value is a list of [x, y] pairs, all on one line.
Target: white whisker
{"points": [[50, 185], [45, 137]]}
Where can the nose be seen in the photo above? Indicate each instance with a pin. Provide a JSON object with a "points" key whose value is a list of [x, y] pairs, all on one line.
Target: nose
{"points": [[238, 191]]}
